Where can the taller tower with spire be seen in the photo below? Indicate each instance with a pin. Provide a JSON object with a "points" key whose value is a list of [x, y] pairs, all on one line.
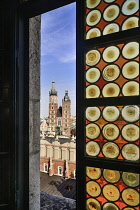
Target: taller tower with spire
{"points": [[53, 106]]}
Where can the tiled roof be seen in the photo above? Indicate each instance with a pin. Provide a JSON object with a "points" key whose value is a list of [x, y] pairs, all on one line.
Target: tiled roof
{"points": [[57, 185]]}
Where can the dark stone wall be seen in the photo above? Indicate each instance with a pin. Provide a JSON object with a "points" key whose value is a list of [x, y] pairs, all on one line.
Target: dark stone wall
{"points": [[53, 202]]}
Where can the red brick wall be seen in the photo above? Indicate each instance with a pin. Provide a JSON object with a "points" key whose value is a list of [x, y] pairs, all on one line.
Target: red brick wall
{"points": [[56, 163]]}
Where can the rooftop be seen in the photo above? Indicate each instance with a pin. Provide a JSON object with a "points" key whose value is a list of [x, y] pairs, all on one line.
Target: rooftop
{"points": [[57, 185]]}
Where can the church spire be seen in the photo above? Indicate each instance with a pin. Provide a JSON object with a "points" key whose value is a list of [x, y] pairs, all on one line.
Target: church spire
{"points": [[53, 91]]}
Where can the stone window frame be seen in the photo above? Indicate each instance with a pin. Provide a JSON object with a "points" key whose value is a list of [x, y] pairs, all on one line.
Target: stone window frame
{"points": [[60, 167], [46, 171]]}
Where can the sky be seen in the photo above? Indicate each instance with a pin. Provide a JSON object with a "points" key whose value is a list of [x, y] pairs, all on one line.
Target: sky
{"points": [[58, 55]]}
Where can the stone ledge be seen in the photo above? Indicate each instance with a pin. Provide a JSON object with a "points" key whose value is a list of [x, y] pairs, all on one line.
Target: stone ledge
{"points": [[53, 202]]}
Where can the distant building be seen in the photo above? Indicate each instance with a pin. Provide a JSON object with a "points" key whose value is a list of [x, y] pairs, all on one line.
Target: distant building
{"points": [[57, 138], [58, 156], [59, 119]]}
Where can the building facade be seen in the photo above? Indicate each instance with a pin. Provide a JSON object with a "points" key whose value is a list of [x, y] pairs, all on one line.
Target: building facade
{"points": [[58, 156]]}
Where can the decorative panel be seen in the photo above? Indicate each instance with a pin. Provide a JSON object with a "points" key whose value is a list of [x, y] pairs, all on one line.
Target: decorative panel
{"points": [[112, 71], [111, 189], [104, 17], [113, 132]]}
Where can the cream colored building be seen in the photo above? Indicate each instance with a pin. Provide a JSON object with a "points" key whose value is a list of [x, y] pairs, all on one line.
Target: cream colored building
{"points": [[58, 153]]}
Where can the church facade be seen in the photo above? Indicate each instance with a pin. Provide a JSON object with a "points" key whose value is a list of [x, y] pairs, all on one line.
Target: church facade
{"points": [[59, 119]]}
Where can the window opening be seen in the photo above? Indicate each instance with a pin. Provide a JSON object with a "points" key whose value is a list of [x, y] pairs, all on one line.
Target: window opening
{"points": [[58, 93]]}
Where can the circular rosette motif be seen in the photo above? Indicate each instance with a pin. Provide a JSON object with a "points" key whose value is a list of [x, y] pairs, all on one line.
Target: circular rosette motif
{"points": [[93, 33], [92, 148], [130, 70], [111, 28], [111, 72], [111, 175], [110, 132], [93, 17], [92, 3], [111, 12], [93, 173], [130, 152], [94, 202], [111, 90], [110, 206], [131, 22], [130, 113], [111, 54], [130, 132], [111, 192], [130, 88], [92, 131], [111, 113], [130, 197], [92, 113], [131, 179], [92, 75], [110, 150], [130, 7], [93, 188], [92, 91], [130, 50], [92, 57]]}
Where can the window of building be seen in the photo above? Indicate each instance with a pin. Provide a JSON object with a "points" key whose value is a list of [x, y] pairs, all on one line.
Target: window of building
{"points": [[45, 167], [74, 174], [59, 122], [60, 170]]}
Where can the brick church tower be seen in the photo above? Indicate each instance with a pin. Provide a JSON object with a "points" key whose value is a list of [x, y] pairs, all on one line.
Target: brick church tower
{"points": [[66, 114], [53, 106]]}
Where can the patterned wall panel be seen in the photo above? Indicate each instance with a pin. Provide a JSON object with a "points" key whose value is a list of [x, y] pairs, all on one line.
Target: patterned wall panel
{"points": [[112, 71], [104, 17], [113, 132], [111, 190]]}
